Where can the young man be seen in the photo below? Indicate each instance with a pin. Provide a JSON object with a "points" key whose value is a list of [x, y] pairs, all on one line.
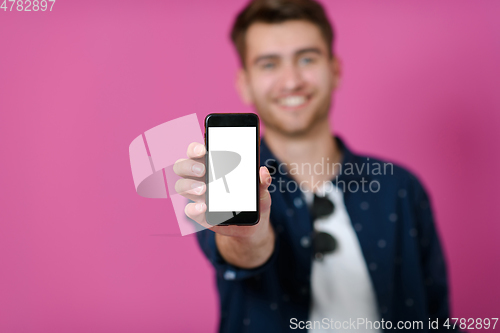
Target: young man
{"points": [[351, 248]]}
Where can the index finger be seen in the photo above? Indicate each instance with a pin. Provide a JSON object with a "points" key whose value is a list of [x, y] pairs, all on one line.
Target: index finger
{"points": [[196, 150]]}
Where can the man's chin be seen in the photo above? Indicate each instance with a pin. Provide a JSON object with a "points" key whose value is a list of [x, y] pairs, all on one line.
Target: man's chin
{"points": [[297, 125], [291, 124], [293, 131]]}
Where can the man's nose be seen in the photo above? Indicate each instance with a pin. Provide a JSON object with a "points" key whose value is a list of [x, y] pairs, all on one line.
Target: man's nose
{"points": [[291, 78]]}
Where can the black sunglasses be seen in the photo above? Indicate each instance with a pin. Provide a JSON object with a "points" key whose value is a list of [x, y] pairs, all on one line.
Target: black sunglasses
{"points": [[323, 243]]}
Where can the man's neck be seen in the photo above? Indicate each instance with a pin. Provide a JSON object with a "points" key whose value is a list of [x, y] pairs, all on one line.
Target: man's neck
{"points": [[301, 153]]}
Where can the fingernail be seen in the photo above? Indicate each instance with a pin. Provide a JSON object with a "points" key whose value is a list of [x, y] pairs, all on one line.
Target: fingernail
{"points": [[197, 168], [197, 187], [199, 206], [269, 180], [199, 149]]}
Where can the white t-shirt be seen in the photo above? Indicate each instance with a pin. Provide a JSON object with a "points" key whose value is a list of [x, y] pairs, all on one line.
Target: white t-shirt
{"points": [[342, 290]]}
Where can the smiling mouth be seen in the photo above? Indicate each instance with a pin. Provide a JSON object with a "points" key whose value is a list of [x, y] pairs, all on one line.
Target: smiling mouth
{"points": [[293, 102]]}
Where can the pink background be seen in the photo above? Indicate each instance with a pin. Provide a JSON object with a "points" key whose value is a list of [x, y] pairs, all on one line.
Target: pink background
{"points": [[80, 251]]}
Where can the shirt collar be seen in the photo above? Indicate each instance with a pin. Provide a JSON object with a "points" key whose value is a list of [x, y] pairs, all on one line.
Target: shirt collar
{"points": [[267, 157]]}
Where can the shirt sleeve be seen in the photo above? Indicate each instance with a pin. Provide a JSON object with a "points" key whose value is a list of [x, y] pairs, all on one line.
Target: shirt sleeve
{"points": [[433, 261], [224, 270]]}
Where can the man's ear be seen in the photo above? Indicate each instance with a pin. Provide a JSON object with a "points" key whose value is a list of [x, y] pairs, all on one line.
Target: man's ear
{"points": [[336, 68], [243, 88]]}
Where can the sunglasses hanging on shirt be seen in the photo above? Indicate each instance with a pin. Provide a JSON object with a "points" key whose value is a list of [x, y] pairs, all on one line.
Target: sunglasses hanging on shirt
{"points": [[323, 242]]}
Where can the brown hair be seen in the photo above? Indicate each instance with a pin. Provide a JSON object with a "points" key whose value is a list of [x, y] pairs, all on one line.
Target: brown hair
{"points": [[278, 11]]}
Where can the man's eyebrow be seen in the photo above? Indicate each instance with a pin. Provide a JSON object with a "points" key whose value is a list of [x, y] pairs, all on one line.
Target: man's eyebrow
{"points": [[277, 56], [309, 49], [265, 57]]}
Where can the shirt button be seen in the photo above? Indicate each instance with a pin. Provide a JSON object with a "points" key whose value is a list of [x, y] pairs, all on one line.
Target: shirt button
{"points": [[393, 217], [246, 321], [382, 243], [290, 212], [358, 227], [305, 241], [297, 202], [229, 275], [364, 205], [373, 266], [273, 306], [409, 302]]}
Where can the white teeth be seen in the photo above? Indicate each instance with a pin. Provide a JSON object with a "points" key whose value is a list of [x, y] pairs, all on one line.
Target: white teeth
{"points": [[292, 101]]}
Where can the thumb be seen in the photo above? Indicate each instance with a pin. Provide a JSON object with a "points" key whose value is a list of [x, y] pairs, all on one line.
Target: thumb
{"points": [[265, 196], [265, 177]]}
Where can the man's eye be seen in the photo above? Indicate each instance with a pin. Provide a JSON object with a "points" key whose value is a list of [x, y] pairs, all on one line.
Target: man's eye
{"points": [[306, 60], [268, 65]]}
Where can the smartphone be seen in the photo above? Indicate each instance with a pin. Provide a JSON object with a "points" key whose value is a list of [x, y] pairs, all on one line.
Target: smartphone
{"points": [[232, 168]]}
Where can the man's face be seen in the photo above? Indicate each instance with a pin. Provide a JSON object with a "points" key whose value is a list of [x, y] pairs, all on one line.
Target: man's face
{"points": [[289, 75]]}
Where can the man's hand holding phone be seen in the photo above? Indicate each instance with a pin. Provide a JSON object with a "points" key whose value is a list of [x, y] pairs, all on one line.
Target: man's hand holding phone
{"points": [[243, 246]]}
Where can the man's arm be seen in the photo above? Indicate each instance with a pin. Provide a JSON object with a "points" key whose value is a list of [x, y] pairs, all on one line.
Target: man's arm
{"points": [[253, 250], [433, 261], [247, 252], [245, 247]]}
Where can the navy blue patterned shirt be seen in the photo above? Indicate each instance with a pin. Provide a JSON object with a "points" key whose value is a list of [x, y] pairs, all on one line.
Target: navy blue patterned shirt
{"points": [[408, 274]]}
